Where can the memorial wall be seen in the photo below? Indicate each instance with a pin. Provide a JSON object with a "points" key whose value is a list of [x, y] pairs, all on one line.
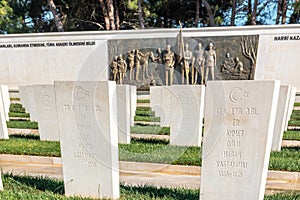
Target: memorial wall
{"points": [[145, 57]]}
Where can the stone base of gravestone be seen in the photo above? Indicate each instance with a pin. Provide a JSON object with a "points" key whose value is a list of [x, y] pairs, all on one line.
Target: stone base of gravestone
{"points": [[187, 106], [123, 115], [160, 103], [281, 115], [88, 138], [239, 123], [5, 100], [133, 104], [44, 99]]}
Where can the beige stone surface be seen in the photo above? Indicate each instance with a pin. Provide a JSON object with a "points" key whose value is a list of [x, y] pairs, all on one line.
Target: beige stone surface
{"points": [[88, 138], [238, 131]]}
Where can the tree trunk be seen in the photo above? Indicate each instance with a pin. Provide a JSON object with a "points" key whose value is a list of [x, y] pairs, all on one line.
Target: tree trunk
{"points": [[104, 11], [197, 13], [284, 9], [253, 18], [233, 12], [117, 17], [141, 19], [57, 20], [278, 11], [210, 13], [111, 16]]}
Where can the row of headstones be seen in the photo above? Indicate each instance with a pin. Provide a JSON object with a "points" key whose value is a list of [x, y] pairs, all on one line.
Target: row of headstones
{"points": [[239, 124], [244, 120], [182, 108], [40, 102]]}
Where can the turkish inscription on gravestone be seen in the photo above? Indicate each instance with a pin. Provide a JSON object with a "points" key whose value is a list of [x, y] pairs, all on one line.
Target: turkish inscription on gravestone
{"points": [[88, 138], [239, 122]]}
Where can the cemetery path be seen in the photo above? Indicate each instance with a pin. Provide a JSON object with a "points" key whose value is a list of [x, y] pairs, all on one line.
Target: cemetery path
{"points": [[132, 173]]}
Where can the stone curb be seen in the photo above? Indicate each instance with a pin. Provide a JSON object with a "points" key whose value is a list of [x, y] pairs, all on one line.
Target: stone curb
{"points": [[23, 131], [126, 167]]}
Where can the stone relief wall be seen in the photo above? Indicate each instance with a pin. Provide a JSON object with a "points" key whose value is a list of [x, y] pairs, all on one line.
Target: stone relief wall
{"points": [[167, 61]]}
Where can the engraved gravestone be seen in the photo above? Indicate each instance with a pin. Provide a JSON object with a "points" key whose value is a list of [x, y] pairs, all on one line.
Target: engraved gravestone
{"points": [[27, 100], [187, 103], [133, 103], [281, 114], [123, 115], [88, 138], [1, 183], [5, 100], [160, 103], [3, 125], [239, 122], [44, 98], [290, 106]]}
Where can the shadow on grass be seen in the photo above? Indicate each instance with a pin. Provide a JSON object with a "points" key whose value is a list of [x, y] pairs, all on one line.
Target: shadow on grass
{"points": [[40, 183], [154, 192], [29, 137], [150, 141]]}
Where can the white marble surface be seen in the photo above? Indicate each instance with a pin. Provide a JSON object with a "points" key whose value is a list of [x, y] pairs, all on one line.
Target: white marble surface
{"points": [[27, 100], [292, 99], [187, 107], [46, 115], [133, 103], [281, 115], [5, 100], [3, 125], [123, 115], [88, 138], [238, 130]]}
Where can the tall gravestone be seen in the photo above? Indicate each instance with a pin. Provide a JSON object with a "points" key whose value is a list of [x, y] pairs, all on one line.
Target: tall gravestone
{"points": [[44, 98], [187, 103], [281, 115], [160, 98], [3, 125], [238, 127], [290, 106], [133, 103], [88, 138], [1, 183], [5, 100], [123, 115], [27, 100]]}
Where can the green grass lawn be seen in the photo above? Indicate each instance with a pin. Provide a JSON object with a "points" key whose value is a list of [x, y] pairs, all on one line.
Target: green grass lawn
{"points": [[143, 101], [294, 123], [32, 188], [22, 124], [24, 115], [144, 113], [156, 130], [297, 104], [144, 151], [291, 135], [146, 119]]}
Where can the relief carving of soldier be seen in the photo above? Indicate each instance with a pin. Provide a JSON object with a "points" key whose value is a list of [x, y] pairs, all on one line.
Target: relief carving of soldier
{"points": [[210, 62], [199, 64], [169, 61]]}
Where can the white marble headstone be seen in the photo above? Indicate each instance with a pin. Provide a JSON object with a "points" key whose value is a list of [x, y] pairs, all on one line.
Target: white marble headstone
{"points": [[27, 100], [88, 138], [46, 115], [238, 129], [281, 114], [187, 109], [290, 106], [3, 125], [1, 182], [160, 103], [133, 103], [5, 100], [123, 115]]}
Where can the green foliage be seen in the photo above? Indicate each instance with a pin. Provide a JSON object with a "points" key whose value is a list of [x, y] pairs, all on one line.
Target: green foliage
{"points": [[141, 108], [294, 123], [155, 130], [22, 124], [291, 135], [16, 108], [297, 103]]}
